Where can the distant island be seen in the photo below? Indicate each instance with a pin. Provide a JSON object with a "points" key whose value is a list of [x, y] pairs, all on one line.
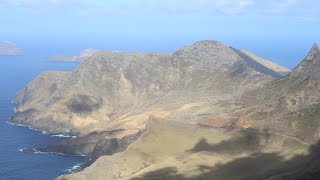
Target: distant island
{"points": [[8, 48], [85, 54]]}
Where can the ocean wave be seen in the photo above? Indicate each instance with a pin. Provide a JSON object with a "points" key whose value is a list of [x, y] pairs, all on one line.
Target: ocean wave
{"points": [[15, 105], [35, 151], [75, 168], [56, 153], [63, 136], [29, 127], [43, 132], [12, 124]]}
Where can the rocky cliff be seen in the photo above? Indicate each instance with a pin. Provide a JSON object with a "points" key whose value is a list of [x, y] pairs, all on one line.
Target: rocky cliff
{"points": [[116, 90]]}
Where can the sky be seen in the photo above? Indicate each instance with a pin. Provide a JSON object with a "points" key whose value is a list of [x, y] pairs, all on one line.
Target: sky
{"points": [[251, 24]]}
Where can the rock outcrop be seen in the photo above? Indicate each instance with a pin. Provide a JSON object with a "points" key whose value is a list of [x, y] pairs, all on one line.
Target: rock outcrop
{"points": [[110, 146], [116, 90]]}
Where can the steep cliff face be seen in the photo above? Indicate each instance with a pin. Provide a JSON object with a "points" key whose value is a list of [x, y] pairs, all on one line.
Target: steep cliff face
{"points": [[116, 90]]}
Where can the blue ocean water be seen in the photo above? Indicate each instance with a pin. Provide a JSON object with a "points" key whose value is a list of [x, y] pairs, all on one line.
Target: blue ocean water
{"points": [[15, 73]]}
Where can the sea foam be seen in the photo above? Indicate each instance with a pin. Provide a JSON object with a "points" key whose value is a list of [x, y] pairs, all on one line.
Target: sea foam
{"points": [[43, 132], [29, 127], [74, 168], [63, 136]]}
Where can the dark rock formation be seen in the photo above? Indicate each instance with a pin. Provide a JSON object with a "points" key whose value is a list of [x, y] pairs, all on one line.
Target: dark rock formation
{"points": [[94, 144], [110, 146]]}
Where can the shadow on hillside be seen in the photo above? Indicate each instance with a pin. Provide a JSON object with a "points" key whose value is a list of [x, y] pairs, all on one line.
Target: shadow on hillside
{"points": [[257, 66], [249, 141], [255, 167]]}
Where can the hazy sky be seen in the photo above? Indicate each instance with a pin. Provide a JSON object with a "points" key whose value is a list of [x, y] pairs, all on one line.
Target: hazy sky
{"points": [[180, 21]]}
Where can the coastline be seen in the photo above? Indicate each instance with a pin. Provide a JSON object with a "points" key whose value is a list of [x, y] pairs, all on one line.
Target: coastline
{"points": [[43, 132]]}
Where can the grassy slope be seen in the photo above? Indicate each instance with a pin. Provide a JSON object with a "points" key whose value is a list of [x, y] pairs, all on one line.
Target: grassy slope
{"points": [[171, 150]]}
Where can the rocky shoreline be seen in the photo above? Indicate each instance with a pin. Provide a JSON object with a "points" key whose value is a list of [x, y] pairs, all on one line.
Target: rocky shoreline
{"points": [[93, 145]]}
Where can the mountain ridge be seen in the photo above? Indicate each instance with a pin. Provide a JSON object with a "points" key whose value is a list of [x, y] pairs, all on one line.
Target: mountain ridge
{"points": [[275, 67], [79, 103]]}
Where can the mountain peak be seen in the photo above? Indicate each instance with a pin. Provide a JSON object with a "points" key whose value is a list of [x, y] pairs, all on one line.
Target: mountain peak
{"points": [[315, 46], [205, 45], [310, 64], [208, 43], [314, 52]]}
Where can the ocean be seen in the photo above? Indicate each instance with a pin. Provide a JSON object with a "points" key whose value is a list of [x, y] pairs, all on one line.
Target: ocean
{"points": [[15, 73]]}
